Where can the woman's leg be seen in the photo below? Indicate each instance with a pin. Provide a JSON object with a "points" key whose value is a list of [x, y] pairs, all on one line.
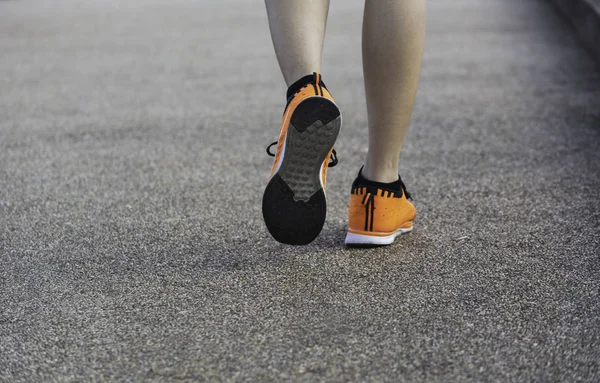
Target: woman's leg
{"points": [[298, 30], [392, 47]]}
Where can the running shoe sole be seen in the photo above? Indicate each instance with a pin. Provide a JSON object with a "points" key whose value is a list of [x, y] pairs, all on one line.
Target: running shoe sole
{"points": [[294, 206]]}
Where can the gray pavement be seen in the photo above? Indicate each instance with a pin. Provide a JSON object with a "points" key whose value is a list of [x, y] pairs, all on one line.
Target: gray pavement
{"points": [[132, 165]]}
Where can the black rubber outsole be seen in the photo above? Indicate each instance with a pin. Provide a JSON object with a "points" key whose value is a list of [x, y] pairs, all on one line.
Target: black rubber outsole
{"points": [[294, 205]]}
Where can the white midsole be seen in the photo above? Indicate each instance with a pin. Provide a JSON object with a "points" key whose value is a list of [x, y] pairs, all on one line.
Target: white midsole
{"points": [[361, 239], [281, 156]]}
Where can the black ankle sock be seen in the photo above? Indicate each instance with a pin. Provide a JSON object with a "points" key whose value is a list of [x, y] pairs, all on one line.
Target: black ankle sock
{"points": [[362, 181]]}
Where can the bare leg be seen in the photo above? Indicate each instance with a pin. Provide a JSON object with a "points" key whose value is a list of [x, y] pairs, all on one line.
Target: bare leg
{"points": [[298, 30], [393, 39]]}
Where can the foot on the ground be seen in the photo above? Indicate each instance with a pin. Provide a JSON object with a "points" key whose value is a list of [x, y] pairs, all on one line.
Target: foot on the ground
{"points": [[378, 212]]}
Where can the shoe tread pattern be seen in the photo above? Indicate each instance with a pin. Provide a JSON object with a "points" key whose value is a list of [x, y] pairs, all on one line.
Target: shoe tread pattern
{"points": [[314, 127]]}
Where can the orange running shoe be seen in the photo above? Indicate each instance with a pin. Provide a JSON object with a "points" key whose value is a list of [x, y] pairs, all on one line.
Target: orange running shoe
{"points": [[294, 205], [378, 212]]}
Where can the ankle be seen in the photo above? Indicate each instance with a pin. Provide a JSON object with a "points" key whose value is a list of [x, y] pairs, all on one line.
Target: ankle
{"points": [[380, 174]]}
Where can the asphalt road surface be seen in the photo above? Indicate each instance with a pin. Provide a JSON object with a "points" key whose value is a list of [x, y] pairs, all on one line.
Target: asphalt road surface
{"points": [[132, 166]]}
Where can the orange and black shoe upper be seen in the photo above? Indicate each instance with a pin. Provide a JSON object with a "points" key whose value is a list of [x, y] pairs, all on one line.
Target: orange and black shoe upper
{"points": [[378, 212], [294, 205]]}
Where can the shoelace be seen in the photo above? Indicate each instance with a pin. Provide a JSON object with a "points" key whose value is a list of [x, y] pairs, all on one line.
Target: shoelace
{"points": [[333, 160]]}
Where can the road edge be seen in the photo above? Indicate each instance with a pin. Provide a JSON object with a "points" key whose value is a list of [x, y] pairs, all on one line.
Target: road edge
{"points": [[584, 16]]}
